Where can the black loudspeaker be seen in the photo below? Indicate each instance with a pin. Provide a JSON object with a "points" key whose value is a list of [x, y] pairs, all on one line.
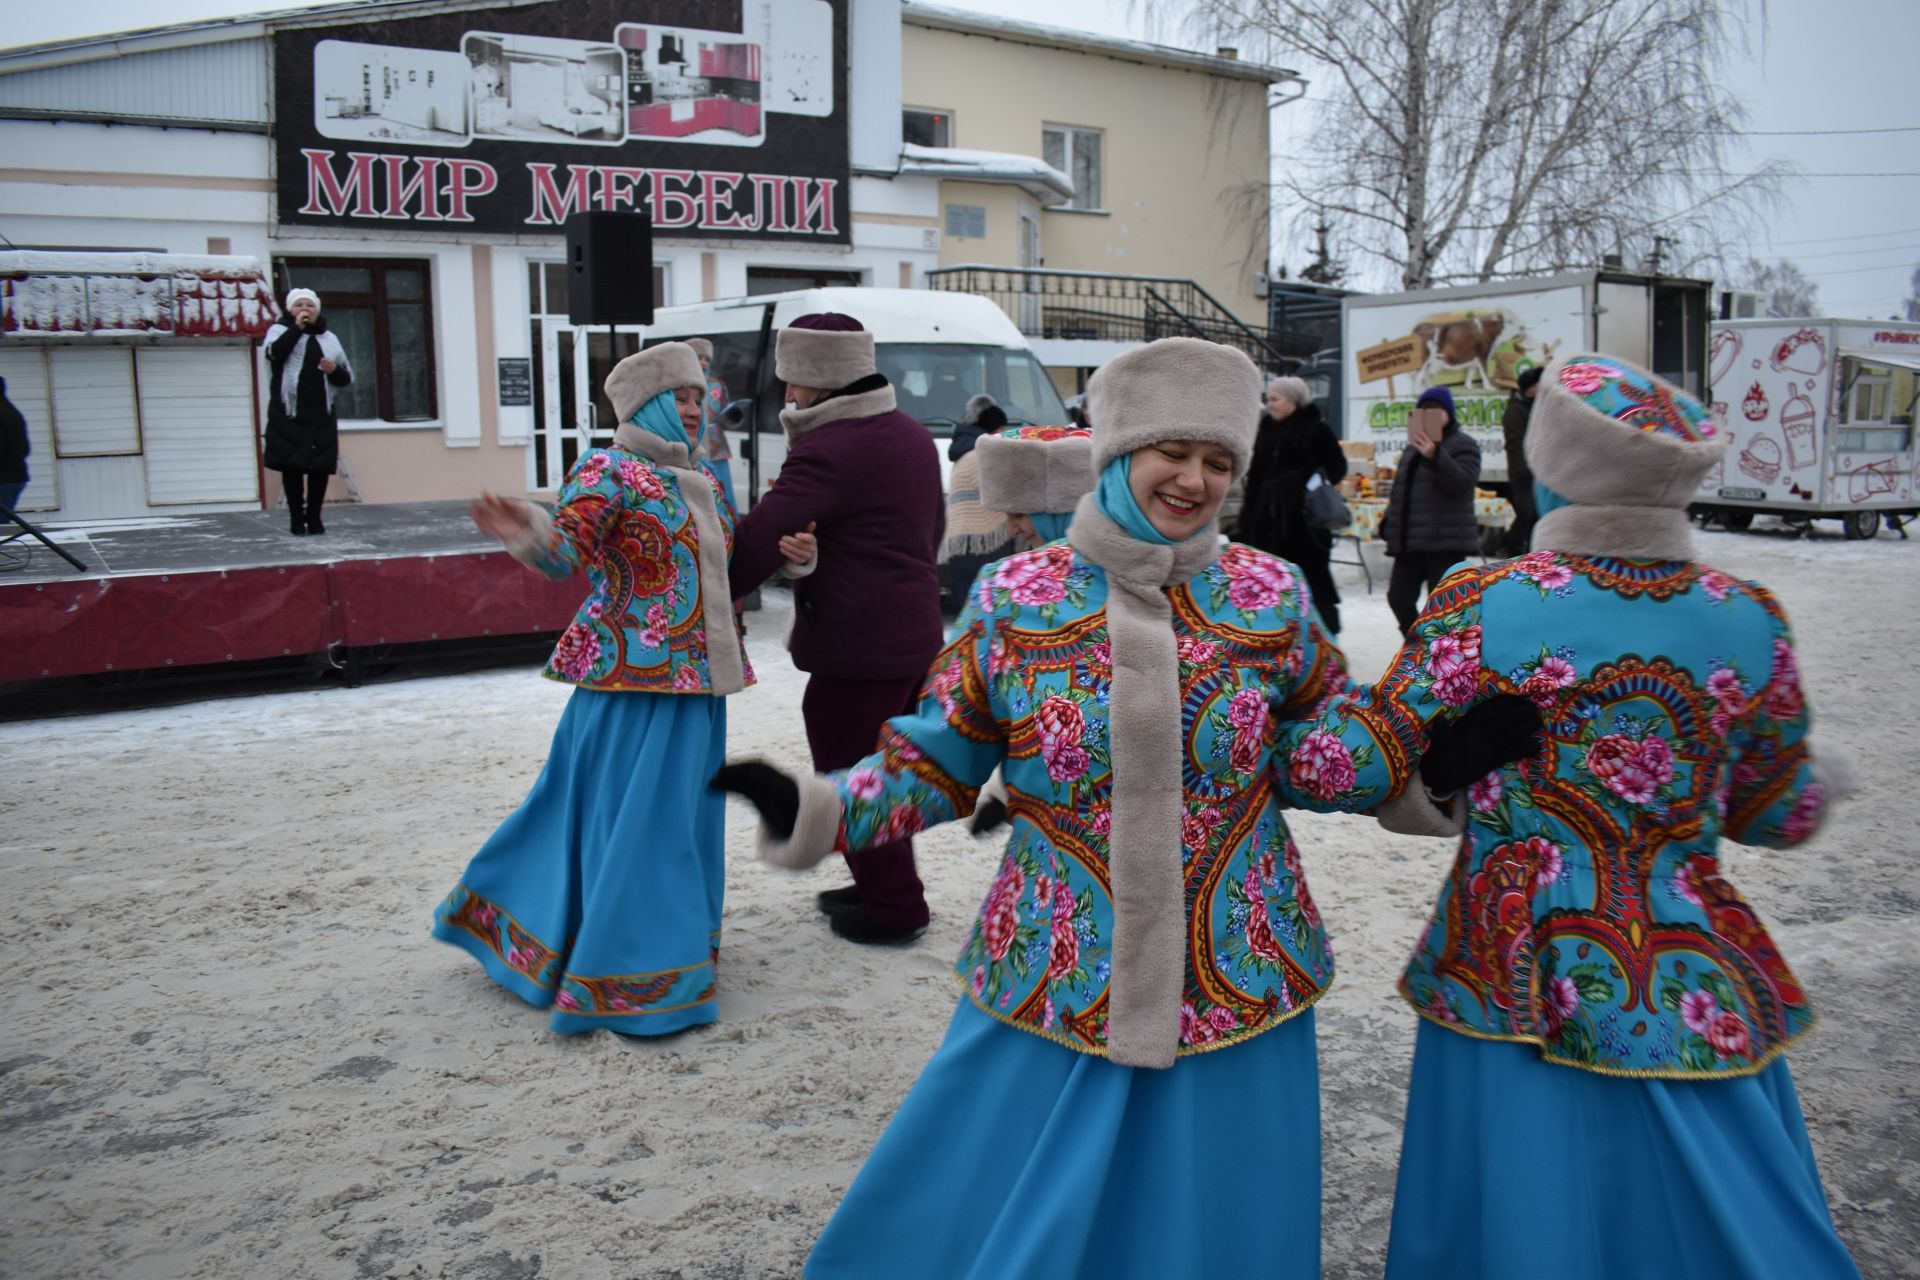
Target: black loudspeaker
{"points": [[610, 268]]}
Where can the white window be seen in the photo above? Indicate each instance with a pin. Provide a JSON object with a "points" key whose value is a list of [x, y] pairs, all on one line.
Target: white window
{"points": [[926, 128], [1076, 153]]}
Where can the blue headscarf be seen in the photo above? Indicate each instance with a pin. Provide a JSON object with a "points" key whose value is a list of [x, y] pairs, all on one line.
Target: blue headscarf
{"points": [[1545, 499], [1117, 503], [659, 416], [1051, 525]]}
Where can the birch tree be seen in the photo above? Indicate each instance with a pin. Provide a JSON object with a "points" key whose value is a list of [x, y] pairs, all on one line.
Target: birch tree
{"points": [[1462, 140]]}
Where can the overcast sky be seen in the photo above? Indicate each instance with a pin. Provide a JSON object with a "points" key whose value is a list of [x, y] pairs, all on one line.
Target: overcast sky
{"points": [[1830, 89]]}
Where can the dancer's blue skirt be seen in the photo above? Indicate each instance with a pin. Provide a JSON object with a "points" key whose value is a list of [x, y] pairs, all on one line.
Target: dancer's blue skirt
{"points": [[1515, 1169], [600, 896], [1013, 1157]]}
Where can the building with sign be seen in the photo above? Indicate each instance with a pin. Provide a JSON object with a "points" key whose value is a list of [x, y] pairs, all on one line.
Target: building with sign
{"points": [[413, 162]]}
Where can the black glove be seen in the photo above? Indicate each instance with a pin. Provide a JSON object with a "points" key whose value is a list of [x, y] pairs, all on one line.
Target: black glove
{"points": [[991, 813], [772, 792], [1492, 733]]}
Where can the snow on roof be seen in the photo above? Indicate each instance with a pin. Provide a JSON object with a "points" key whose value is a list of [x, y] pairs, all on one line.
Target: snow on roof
{"points": [[1042, 180], [46, 262]]}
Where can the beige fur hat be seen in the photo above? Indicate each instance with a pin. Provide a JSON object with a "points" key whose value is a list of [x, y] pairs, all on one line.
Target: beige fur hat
{"points": [[1024, 470], [1608, 433], [701, 347], [645, 374], [825, 350], [1175, 389]]}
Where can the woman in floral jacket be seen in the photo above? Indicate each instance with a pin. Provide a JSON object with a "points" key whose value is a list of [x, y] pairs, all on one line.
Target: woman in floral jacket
{"points": [[1082, 1117], [601, 895], [1599, 1089]]}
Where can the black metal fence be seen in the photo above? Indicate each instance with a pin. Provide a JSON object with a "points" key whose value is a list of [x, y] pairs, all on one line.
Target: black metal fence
{"points": [[1048, 303]]}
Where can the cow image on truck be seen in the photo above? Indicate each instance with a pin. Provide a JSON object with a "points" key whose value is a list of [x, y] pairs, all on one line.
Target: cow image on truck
{"points": [[1821, 415], [1476, 341]]}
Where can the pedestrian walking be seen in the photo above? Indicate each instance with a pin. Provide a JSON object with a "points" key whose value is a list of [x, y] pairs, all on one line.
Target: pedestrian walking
{"points": [[600, 896], [1132, 1062], [866, 477], [1293, 449], [1429, 525], [306, 367], [1513, 426]]}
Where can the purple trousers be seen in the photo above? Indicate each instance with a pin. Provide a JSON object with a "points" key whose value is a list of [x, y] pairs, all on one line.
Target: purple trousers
{"points": [[843, 719]]}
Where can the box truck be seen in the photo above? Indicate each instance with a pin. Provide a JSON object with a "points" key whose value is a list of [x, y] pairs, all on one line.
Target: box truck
{"points": [[1475, 340], [1821, 418]]}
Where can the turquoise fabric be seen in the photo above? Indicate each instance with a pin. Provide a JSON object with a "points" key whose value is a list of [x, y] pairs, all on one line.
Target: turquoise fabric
{"points": [[1052, 525], [1016, 1157], [1545, 499], [1514, 1169], [1117, 502], [1635, 399], [600, 896], [660, 416]]}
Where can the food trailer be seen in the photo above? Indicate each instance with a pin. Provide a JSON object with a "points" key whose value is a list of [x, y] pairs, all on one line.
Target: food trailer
{"points": [[1821, 418]]}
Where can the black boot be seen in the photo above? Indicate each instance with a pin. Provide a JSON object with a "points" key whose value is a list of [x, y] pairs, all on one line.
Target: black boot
{"points": [[855, 925], [316, 494], [296, 503], [832, 900]]}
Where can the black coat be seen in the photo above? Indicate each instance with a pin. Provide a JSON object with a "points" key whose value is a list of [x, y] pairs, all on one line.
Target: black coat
{"points": [[1431, 508], [968, 434], [1513, 425], [309, 438], [14, 445], [1273, 515]]}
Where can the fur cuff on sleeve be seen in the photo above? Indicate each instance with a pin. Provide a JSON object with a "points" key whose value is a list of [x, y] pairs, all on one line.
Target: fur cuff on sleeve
{"points": [[1833, 769], [792, 571], [529, 546], [815, 829], [1414, 813]]}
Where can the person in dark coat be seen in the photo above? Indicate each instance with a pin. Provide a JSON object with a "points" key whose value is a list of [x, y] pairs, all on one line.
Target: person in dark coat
{"points": [[983, 415], [1293, 443], [866, 478], [1430, 526], [306, 367], [1513, 425], [14, 448]]}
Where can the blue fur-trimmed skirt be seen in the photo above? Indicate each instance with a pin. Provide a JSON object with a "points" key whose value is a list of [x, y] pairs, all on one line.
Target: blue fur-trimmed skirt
{"points": [[600, 896], [1015, 1157], [1513, 1168]]}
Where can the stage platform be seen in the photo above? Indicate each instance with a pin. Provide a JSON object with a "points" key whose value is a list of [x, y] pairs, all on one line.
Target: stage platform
{"points": [[191, 590]]}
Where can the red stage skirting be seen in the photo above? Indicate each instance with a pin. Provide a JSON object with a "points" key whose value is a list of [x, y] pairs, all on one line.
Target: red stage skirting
{"points": [[130, 623]]}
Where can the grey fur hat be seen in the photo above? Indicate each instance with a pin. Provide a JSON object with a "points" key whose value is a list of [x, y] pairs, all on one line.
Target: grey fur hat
{"points": [[825, 350], [1175, 389], [1608, 433], [977, 405], [645, 374], [1025, 470]]}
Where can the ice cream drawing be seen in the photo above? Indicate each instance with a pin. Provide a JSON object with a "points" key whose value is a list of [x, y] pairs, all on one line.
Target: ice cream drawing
{"points": [[1796, 424], [1761, 459], [1755, 406], [1804, 351]]}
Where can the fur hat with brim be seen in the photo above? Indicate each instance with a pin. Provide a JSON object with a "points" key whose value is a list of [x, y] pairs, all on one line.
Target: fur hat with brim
{"points": [[701, 347], [1029, 470], [1608, 433], [826, 350], [1175, 389], [645, 374]]}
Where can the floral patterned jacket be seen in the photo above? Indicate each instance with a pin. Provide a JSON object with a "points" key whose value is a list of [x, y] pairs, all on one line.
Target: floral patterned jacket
{"points": [[1586, 912], [642, 628], [1025, 683]]}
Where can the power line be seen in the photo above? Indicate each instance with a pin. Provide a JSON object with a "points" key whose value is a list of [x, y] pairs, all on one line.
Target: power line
{"points": [[1855, 253], [1868, 235]]}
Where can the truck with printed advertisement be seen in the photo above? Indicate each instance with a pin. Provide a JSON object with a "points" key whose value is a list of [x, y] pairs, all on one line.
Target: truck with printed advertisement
{"points": [[1476, 340], [1821, 415]]}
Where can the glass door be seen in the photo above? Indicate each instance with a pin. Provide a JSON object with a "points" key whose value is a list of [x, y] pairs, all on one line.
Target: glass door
{"points": [[571, 413]]}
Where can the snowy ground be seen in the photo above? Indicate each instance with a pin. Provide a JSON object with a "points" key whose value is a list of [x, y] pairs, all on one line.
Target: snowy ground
{"points": [[229, 1047]]}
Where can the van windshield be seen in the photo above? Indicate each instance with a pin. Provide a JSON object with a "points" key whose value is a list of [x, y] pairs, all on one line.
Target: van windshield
{"points": [[933, 382]]}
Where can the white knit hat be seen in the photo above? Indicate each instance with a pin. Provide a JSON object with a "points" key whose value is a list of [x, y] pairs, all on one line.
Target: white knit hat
{"points": [[645, 374], [294, 295], [1175, 389]]}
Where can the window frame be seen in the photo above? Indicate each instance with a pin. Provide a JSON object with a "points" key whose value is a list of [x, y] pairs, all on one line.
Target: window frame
{"points": [[942, 112], [377, 302], [1069, 146]]}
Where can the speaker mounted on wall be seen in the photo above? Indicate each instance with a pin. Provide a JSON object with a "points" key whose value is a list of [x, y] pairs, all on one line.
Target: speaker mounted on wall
{"points": [[610, 267]]}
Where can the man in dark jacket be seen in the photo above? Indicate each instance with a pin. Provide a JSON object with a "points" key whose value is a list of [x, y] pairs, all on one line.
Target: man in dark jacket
{"points": [[14, 448], [1513, 425], [866, 622], [1430, 526]]}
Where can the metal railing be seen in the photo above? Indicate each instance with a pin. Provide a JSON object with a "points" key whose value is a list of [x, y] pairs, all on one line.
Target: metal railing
{"points": [[1050, 303]]}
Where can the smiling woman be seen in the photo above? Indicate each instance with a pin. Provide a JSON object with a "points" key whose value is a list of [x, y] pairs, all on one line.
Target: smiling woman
{"points": [[1180, 485]]}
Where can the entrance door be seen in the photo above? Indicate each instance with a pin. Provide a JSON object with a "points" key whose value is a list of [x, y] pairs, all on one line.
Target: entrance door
{"points": [[1029, 317], [574, 414]]}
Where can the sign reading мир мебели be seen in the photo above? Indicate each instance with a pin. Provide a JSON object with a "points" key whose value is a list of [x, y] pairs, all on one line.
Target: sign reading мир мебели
{"points": [[722, 120]]}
